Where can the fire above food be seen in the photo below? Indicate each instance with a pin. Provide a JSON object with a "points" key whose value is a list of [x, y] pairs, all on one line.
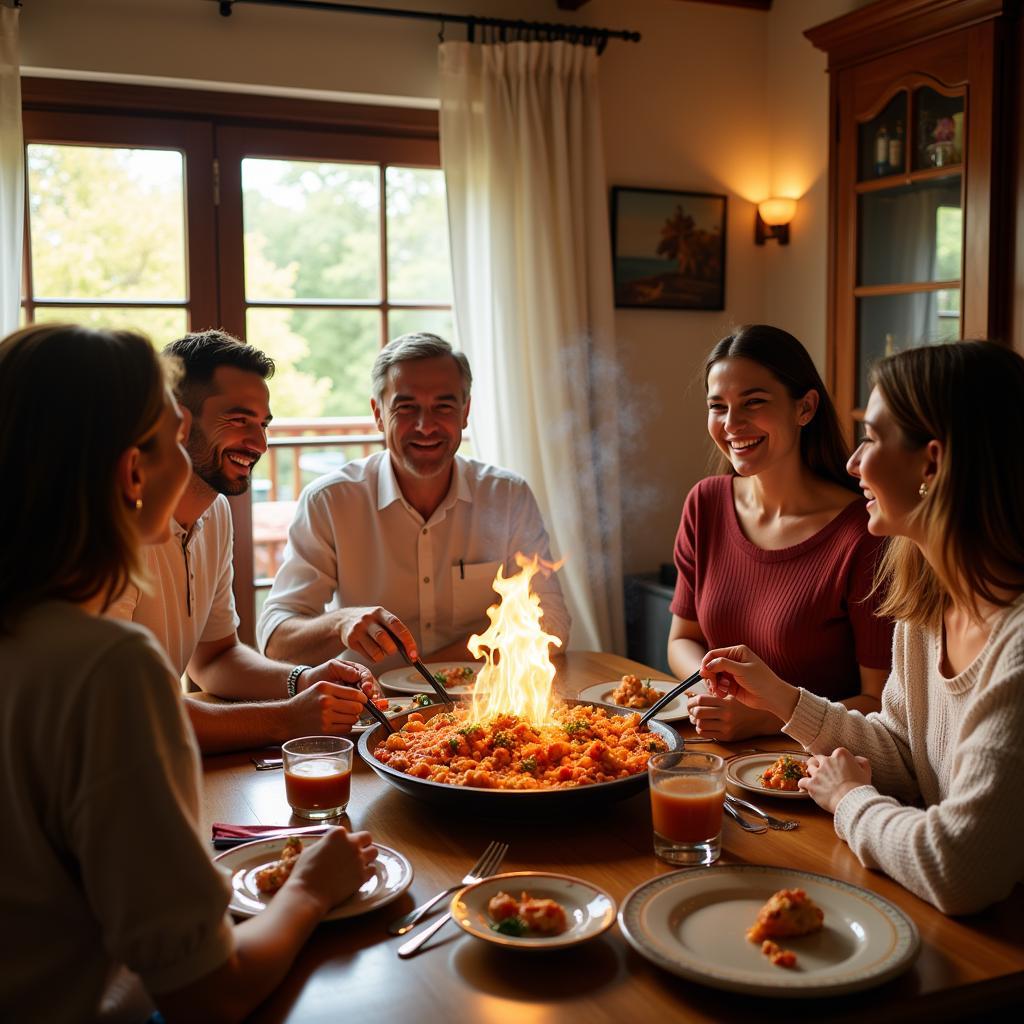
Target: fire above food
{"points": [[517, 675], [513, 735]]}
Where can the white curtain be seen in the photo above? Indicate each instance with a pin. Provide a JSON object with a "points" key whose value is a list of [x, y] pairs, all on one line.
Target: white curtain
{"points": [[12, 172], [528, 212]]}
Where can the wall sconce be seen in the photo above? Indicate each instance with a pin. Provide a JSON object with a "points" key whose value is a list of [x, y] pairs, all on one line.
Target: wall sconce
{"points": [[772, 220]]}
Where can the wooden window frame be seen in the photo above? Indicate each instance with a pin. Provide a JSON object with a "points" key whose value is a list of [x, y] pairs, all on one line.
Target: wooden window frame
{"points": [[216, 130]]}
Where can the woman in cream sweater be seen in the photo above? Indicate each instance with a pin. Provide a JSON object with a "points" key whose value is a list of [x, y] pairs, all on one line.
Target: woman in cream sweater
{"points": [[929, 788]]}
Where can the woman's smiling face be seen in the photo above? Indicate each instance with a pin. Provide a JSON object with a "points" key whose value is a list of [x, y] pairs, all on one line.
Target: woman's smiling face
{"points": [[751, 417], [889, 470]]}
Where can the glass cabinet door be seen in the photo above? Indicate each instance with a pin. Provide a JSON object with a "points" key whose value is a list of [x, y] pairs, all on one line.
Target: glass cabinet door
{"points": [[909, 260]]}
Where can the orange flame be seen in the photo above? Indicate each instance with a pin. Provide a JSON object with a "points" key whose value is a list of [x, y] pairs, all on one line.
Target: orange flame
{"points": [[518, 673]]}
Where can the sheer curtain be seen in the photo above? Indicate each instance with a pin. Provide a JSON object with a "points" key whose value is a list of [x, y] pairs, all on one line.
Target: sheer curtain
{"points": [[12, 171], [528, 214]]}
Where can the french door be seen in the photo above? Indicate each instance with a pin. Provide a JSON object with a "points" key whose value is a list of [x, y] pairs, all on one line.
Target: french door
{"points": [[312, 230]]}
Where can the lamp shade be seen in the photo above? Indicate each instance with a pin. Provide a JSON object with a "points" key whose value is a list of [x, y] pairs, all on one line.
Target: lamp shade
{"points": [[777, 211]]}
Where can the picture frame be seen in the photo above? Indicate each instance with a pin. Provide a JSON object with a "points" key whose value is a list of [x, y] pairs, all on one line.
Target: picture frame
{"points": [[668, 248]]}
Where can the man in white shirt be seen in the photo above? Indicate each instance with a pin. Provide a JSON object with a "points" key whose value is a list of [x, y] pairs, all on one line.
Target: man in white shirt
{"points": [[189, 605], [410, 537]]}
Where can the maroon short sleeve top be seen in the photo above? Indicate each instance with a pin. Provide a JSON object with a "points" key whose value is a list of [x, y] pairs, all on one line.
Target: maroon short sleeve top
{"points": [[804, 609]]}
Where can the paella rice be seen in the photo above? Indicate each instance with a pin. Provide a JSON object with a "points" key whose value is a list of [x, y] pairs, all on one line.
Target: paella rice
{"points": [[583, 745]]}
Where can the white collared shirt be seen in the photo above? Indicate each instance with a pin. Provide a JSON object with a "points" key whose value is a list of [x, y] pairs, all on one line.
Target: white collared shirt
{"points": [[190, 575], [355, 541]]}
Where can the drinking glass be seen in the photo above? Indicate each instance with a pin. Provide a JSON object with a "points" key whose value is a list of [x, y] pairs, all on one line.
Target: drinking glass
{"points": [[318, 775], [687, 794]]}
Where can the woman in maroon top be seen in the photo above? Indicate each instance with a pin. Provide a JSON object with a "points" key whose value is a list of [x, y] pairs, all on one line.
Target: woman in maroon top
{"points": [[776, 555]]}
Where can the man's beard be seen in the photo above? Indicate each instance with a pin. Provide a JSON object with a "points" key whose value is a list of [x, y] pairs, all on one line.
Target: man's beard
{"points": [[207, 466]]}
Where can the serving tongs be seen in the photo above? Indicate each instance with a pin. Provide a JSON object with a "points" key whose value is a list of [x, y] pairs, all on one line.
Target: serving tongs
{"points": [[668, 698], [376, 712], [446, 698]]}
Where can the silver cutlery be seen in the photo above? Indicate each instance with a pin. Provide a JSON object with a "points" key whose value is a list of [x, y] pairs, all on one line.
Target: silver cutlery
{"points": [[482, 869], [370, 708], [446, 697], [747, 826], [782, 824]]}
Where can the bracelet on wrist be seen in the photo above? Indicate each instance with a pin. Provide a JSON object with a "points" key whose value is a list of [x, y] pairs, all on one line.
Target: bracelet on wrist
{"points": [[293, 679]]}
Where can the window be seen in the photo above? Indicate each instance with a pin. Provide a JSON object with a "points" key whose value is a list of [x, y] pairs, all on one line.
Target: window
{"points": [[313, 230]]}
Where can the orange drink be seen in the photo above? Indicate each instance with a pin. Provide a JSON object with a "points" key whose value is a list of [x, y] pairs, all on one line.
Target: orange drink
{"points": [[318, 784], [687, 793], [318, 775]]}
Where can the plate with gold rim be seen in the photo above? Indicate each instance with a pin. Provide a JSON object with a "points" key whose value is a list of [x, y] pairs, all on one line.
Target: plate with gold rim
{"points": [[693, 923], [589, 910], [392, 875], [674, 711], [745, 771], [462, 675]]}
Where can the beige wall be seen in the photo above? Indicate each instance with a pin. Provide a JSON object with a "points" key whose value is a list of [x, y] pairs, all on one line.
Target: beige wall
{"points": [[714, 99]]}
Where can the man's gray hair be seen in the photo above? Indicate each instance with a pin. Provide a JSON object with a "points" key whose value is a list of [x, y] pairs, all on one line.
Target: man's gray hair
{"points": [[416, 346]]}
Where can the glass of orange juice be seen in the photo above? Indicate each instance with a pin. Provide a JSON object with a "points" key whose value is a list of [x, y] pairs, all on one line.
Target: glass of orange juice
{"points": [[687, 794], [318, 775]]}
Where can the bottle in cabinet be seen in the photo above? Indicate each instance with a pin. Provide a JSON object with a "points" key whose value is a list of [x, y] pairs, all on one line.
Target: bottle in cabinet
{"points": [[882, 151], [896, 149]]}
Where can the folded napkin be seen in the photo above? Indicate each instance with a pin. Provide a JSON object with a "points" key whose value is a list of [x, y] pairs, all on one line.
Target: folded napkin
{"points": [[225, 835], [221, 830]]}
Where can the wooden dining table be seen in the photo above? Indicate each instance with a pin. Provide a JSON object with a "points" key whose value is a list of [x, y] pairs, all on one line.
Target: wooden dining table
{"points": [[968, 968]]}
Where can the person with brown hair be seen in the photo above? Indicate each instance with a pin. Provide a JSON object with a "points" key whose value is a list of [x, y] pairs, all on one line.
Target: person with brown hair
{"points": [[189, 605], [100, 779], [943, 470], [776, 552]]}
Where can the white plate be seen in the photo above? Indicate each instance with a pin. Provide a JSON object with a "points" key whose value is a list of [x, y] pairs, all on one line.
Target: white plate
{"points": [[392, 875], [408, 680], [745, 772], [671, 712], [396, 706], [590, 910], [693, 923]]}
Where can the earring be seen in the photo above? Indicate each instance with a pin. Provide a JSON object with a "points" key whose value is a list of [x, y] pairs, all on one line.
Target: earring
{"points": [[922, 491], [138, 504]]}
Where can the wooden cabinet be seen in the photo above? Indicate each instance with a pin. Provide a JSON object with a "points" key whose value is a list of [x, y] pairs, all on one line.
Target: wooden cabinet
{"points": [[922, 179]]}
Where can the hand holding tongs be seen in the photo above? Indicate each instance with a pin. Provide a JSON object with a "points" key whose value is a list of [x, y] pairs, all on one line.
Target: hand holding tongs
{"points": [[668, 698], [445, 696]]}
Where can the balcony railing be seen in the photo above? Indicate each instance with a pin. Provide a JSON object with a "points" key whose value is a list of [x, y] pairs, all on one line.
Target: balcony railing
{"points": [[298, 452], [292, 442]]}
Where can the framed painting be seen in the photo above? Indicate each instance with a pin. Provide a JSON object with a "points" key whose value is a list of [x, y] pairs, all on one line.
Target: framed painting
{"points": [[668, 249]]}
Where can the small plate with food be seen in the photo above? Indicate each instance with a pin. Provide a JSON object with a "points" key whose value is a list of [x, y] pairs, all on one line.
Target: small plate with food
{"points": [[768, 931], [391, 706], [258, 869], [457, 677], [533, 910], [639, 693], [769, 774]]}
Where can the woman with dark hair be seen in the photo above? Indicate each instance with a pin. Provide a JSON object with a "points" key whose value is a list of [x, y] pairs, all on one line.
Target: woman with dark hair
{"points": [[776, 552], [943, 470], [101, 867]]}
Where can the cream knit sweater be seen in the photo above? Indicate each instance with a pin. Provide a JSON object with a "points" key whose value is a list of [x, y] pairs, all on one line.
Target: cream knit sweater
{"points": [[955, 746]]}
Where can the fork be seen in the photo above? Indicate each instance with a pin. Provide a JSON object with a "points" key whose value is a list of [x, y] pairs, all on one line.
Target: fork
{"points": [[747, 826], [782, 824], [407, 949], [481, 869]]}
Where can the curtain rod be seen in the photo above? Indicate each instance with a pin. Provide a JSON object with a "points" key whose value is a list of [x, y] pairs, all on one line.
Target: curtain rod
{"points": [[598, 36]]}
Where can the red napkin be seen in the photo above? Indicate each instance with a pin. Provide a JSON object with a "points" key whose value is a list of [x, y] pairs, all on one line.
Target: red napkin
{"points": [[221, 830]]}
